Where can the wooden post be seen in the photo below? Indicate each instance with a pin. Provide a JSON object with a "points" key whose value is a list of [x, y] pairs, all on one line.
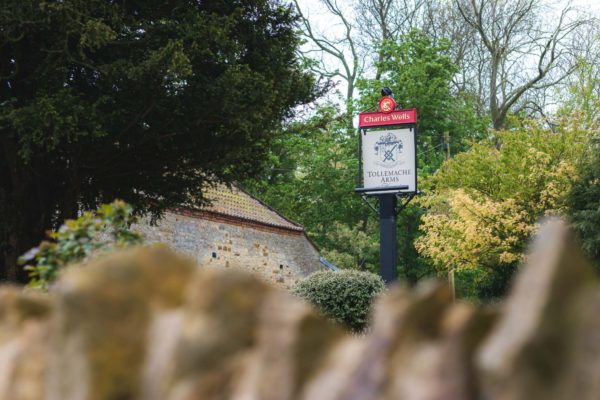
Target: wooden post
{"points": [[447, 157]]}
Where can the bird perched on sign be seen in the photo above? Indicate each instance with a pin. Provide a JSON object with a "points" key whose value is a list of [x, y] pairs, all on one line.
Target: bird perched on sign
{"points": [[387, 92]]}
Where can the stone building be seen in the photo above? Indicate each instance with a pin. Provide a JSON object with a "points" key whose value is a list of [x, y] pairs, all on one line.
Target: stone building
{"points": [[238, 231]]}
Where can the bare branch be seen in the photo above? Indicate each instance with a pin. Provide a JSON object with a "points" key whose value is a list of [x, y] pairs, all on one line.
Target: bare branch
{"points": [[516, 37], [343, 50]]}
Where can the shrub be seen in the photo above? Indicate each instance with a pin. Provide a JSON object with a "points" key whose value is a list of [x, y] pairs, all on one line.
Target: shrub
{"points": [[345, 296], [78, 239]]}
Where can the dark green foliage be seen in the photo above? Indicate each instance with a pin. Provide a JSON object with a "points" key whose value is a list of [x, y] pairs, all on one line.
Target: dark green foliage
{"points": [[481, 286], [140, 100], [466, 283], [411, 266], [494, 285], [345, 296], [584, 206], [78, 239]]}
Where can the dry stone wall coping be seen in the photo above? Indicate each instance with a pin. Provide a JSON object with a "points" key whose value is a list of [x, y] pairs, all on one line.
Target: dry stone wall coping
{"points": [[148, 324]]}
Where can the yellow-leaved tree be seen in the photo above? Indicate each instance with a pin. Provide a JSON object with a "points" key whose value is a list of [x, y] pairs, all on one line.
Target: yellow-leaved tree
{"points": [[484, 205]]}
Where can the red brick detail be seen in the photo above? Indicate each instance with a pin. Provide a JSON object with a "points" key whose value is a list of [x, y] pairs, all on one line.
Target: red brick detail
{"points": [[227, 219]]}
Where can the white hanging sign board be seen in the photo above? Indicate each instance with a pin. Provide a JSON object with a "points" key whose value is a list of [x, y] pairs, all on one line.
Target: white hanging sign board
{"points": [[389, 160]]}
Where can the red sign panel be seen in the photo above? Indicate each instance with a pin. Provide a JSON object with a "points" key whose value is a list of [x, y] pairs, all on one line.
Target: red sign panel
{"points": [[398, 117]]}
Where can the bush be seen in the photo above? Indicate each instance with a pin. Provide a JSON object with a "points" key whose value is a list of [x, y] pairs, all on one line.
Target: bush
{"points": [[78, 239], [345, 296]]}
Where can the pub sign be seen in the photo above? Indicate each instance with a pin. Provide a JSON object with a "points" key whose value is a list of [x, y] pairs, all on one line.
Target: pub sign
{"points": [[388, 152]]}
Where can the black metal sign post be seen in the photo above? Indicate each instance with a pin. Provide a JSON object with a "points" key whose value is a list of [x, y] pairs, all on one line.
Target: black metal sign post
{"points": [[387, 171], [387, 212], [388, 251]]}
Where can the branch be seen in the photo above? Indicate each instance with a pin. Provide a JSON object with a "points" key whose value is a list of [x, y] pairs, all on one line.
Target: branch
{"points": [[332, 47]]}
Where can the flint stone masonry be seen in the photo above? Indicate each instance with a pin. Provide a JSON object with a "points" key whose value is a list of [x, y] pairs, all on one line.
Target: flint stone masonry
{"points": [[146, 324], [278, 256], [240, 232]]}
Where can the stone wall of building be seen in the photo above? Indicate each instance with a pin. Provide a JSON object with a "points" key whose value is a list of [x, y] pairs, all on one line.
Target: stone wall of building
{"points": [[278, 255]]}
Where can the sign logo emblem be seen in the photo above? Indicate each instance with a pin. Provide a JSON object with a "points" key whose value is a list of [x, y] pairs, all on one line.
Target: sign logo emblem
{"points": [[387, 150], [387, 105]]}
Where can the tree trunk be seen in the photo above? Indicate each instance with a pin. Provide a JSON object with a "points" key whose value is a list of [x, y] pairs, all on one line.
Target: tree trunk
{"points": [[27, 230], [27, 210], [494, 108], [9, 267]]}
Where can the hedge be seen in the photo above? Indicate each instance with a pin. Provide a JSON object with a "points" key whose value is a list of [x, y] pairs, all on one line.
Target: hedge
{"points": [[345, 296]]}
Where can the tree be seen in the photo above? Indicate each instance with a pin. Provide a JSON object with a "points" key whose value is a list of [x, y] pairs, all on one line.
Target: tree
{"points": [[520, 52], [582, 96], [353, 247], [484, 204], [343, 49], [583, 100], [584, 205], [387, 20], [383, 21], [145, 101], [355, 29], [443, 21]]}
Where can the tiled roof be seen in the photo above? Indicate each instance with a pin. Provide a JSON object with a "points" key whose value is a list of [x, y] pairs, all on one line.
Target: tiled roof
{"points": [[236, 203]]}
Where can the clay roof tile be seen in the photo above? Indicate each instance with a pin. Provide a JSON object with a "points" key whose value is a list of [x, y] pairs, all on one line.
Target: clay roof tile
{"points": [[237, 203]]}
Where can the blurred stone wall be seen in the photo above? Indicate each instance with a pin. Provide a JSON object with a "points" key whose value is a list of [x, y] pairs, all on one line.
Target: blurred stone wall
{"points": [[277, 255], [147, 324]]}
